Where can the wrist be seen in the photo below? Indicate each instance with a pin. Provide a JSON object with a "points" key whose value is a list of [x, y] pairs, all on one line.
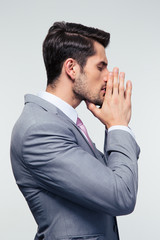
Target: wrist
{"points": [[115, 125]]}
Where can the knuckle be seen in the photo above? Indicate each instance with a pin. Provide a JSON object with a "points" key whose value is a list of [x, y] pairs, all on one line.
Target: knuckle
{"points": [[121, 88], [129, 93], [129, 104], [115, 84], [109, 85], [116, 100]]}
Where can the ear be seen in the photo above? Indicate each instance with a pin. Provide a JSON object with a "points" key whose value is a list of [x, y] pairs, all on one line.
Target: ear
{"points": [[71, 67]]}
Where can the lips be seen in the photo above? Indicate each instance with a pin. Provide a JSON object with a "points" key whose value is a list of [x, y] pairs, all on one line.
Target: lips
{"points": [[104, 88]]}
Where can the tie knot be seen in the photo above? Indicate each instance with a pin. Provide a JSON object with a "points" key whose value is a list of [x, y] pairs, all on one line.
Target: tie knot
{"points": [[81, 126], [79, 122]]}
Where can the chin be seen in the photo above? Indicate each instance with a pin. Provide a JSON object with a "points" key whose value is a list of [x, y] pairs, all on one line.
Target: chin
{"points": [[97, 103]]}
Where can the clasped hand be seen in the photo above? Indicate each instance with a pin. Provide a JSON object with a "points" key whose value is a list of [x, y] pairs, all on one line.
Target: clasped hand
{"points": [[116, 107]]}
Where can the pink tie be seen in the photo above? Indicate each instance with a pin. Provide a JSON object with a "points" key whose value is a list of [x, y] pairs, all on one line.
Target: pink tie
{"points": [[84, 130]]}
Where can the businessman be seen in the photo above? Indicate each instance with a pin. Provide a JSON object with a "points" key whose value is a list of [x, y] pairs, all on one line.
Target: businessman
{"points": [[73, 190]]}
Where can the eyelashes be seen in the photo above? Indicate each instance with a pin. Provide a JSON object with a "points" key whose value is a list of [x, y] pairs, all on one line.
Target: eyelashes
{"points": [[100, 69]]}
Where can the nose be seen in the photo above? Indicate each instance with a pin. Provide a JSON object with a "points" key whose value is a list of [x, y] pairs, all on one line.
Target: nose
{"points": [[105, 78]]}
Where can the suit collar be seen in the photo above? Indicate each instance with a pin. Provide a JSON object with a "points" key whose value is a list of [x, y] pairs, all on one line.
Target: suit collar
{"points": [[47, 106], [30, 98], [66, 108]]}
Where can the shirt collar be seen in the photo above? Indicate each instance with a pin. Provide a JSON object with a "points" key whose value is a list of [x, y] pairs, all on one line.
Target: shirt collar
{"points": [[59, 103]]}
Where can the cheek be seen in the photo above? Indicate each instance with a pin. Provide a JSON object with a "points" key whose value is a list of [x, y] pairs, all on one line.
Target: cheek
{"points": [[95, 77], [92, 80]]}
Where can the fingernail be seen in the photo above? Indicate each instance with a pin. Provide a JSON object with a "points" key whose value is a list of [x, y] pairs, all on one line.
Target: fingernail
{"points": [[122, 74], [116, 70]]}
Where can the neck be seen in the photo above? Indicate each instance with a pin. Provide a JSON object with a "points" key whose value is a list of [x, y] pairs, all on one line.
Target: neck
{"points": [[65, 93]]}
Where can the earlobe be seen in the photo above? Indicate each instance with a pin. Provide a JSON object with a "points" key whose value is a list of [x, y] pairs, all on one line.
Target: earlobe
{"points": [[70, 68]]}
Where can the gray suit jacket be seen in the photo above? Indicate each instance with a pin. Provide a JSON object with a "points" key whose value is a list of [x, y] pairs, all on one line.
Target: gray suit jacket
{"points": [[73, 191]]}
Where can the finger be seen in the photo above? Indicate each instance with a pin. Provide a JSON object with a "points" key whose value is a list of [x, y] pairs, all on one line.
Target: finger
{"points": [[115, 82], [92, 107], [121, 84], [128, 91], [109, 88]]}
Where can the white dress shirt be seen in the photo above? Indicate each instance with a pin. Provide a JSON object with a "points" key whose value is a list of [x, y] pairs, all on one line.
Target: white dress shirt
{"points": [[71, 112], [59, 103]]}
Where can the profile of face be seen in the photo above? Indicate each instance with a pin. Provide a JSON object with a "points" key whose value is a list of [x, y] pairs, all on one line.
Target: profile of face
{"points": [[90, 84]]}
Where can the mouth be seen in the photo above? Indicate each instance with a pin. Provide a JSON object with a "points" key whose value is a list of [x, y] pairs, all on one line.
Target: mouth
{"points": [[103, 90]]}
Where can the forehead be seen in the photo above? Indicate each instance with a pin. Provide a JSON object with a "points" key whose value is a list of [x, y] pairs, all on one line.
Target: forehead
{"points": [[100, 55]]}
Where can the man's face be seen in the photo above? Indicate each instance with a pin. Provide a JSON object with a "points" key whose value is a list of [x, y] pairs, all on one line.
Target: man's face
{"points": [[91, 84]]}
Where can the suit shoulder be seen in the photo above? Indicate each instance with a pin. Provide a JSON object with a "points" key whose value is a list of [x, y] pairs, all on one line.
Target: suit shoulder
{"points": [[35, 119]]}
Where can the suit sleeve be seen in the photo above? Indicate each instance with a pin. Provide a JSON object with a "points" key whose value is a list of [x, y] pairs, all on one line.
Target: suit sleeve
{"points": [[57, 164]]}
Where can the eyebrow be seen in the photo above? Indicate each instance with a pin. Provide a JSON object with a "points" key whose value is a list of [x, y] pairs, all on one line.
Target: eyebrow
{"points": [[105, 64]]}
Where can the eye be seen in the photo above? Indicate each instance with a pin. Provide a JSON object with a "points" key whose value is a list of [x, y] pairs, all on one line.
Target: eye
{"points": [[100, 69]]}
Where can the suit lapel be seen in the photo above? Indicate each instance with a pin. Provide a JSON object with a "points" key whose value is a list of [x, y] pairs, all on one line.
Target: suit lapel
{"points": [[47, 106], [66, 118]]}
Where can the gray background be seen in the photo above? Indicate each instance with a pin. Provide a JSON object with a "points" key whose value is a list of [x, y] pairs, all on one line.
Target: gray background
{"points": [[134, 48]]}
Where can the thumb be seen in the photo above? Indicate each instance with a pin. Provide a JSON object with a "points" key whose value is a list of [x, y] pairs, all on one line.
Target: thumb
{"points": [[92, 107]]}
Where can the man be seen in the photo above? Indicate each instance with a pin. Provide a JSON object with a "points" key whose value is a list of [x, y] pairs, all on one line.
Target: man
{"points": [[73, 190]]}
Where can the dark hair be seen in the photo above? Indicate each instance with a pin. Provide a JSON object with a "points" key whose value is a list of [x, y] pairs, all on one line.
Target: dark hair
{"points": [[70, 40]]}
